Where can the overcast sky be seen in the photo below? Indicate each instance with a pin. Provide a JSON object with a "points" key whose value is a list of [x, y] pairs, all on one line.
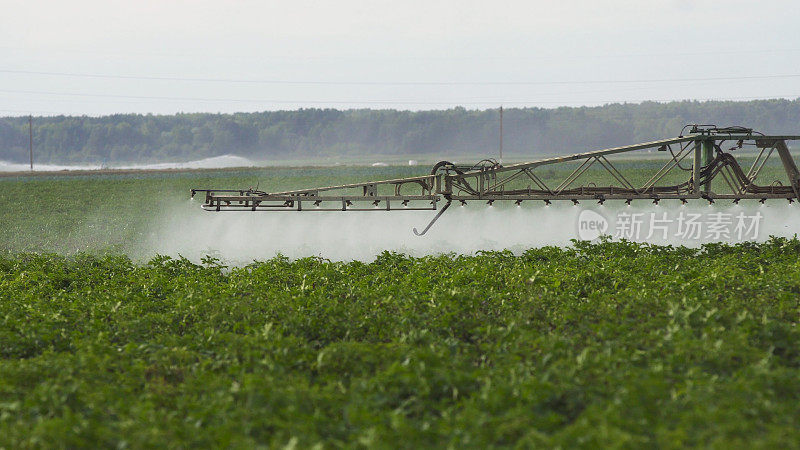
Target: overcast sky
{"points": [[104, 57]]}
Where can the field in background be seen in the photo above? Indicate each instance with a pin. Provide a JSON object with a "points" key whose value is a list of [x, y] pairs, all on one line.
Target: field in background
{"points": [[114, 211]]}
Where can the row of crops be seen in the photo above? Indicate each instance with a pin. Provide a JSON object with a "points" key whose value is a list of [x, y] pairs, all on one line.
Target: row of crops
{"points": [[614, 343]]}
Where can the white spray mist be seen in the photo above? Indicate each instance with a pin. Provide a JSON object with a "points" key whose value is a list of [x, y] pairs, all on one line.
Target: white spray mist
{"points": [[241, 237]]}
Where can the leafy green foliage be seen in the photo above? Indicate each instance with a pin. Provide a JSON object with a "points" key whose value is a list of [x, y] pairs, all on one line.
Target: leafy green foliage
{"points": [[609, 344]]}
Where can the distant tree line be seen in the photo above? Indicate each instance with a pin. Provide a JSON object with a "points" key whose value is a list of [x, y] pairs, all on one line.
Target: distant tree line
{"points": [[309, 133]]}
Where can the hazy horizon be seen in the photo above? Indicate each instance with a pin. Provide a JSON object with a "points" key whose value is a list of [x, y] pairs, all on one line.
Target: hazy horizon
{"points": [[93, 57]]}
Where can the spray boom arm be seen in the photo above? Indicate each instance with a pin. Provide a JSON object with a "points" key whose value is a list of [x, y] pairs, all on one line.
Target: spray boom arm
{"points": [[489, 181]]}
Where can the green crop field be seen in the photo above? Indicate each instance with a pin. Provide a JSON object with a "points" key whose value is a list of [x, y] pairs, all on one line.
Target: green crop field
{"points": [[609, 344], [613, 344], [101, 213]]}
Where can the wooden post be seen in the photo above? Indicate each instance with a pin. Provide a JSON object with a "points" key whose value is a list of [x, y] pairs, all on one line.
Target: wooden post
{"points": [[501, 134], [30, 139]]}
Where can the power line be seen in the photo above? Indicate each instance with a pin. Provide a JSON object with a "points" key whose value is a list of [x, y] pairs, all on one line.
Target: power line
{"points": [[206, 99], [391, 83], [193, 53], [370, 102], [29, 111]]}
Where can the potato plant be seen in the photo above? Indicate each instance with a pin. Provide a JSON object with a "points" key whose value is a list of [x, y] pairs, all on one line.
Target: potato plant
{"points": [[609, 344]]}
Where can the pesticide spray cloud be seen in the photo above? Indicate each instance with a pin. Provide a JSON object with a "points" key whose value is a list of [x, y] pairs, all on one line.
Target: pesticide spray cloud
{"points": [[241, 237]]}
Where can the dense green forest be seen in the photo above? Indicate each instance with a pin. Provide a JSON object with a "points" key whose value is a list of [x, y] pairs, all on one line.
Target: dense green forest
{"points": [[311, 133]]}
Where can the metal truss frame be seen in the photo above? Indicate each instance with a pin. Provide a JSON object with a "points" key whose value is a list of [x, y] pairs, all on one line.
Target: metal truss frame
{"points": [[490, 181]]}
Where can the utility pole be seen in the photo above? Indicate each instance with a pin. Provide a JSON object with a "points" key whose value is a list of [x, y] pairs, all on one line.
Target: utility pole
{"points": [[30, 138], [501, 134]]}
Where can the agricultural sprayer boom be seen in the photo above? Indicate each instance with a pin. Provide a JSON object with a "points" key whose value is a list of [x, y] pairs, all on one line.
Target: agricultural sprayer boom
{"points": [[689, 165]]}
